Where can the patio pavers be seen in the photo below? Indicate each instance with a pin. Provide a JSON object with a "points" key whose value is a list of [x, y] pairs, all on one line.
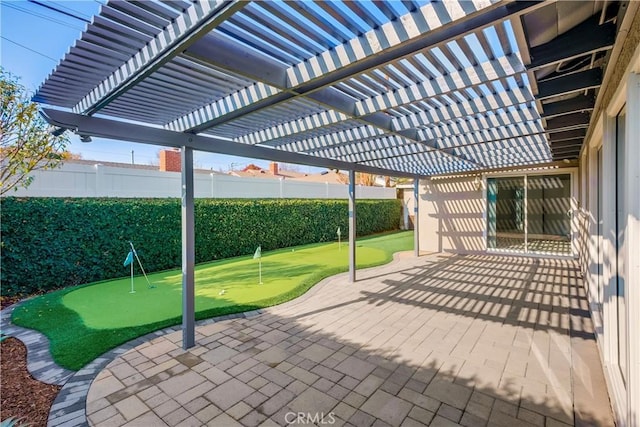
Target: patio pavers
{"points": [[438, 340]]}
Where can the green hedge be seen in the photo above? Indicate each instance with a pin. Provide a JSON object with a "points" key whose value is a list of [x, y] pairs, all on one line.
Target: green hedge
{"points": [[50, 243]]}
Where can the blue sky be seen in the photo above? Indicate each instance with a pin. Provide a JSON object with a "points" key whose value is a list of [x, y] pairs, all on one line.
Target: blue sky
{"points": [[35, 38]]}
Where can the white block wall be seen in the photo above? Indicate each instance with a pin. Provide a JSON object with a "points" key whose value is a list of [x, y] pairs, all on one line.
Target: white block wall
{"points": [[81, 180]]}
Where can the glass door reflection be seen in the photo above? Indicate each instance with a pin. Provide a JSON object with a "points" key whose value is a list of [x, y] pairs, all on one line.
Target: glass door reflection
{"points": [[506, 213], [549, 214]]}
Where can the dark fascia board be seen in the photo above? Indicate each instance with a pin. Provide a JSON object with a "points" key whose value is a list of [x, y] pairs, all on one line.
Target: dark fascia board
{"points": [[558, 146], [569, 83], [567, 135], [123, 131], [569, 157], [566, 150], [566, 122], [583, 39], [578, 103], [562, 157], [566, 144]]}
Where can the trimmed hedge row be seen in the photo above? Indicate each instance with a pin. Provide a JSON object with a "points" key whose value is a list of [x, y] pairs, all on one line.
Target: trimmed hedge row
{"points": [[49, 243]]}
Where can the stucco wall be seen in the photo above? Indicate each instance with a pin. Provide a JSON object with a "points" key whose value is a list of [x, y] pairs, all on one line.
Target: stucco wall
{"points": [[451, 215]]}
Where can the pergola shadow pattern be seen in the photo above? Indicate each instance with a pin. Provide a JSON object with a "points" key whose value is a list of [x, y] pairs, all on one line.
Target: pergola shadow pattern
{"points": [[437, 340]]}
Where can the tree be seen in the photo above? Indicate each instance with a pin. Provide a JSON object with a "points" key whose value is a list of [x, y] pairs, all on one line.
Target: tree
{"points": [[367, 179], [68, 155], [26, 144]]}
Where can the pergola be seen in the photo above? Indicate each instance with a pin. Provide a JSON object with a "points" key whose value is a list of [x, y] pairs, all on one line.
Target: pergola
{"points": [[404, 88]]}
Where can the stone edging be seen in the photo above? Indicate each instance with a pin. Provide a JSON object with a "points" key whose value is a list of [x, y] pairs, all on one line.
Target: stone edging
{"points": [[39, 361]]}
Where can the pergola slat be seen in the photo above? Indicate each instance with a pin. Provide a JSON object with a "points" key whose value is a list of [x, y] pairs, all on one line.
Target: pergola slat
{"points": [[335, 79], [200, 18]]}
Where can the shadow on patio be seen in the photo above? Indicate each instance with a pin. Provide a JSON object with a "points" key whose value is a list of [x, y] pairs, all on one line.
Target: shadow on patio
{"points": [[457, 340]]}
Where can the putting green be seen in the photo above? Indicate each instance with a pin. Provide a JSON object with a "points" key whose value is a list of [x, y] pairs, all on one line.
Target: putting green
{"points": [[85, 321], [109, 305]]}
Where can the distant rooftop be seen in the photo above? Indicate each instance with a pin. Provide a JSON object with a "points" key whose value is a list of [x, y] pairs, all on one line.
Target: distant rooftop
{"points": [[274, 172], [128, 165], [330, 176]]}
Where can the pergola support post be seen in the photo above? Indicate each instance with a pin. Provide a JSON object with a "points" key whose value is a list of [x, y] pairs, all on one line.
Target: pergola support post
{"points": [[188, 250], [416, 222], [352, 226]]}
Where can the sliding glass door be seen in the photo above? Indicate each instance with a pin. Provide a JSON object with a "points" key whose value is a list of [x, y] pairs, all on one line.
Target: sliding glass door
{"points": [[529, 214], [549, 214], [506, 213]]}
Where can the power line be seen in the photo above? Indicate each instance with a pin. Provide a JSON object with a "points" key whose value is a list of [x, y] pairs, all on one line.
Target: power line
{"points": [[84, 15], [72, 15], [29, 49], [39, 15]]}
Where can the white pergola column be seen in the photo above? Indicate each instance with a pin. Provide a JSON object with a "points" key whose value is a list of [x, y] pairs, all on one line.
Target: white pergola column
{"points": [[188, 250], [352, 226], [416, 226]]}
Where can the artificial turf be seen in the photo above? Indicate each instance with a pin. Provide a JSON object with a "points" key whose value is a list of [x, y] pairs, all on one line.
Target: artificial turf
{"points": [[85, 321]]}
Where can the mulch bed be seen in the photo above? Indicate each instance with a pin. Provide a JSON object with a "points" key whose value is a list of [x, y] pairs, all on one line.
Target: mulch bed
{"points": [[7, 301], [22, 396]]}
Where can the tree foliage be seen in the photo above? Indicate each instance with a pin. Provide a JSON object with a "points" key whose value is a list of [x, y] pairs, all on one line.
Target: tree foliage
{"points": [[26, 144], [367, 179]]}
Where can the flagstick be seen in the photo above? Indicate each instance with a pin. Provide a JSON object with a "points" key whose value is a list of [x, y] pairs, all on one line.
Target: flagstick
{"points": [[339, 244], [135, 253], [132, 291], [260, 269], [142, 268]]}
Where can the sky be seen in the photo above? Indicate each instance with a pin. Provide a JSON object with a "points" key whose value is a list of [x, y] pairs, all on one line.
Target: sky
{"points": [[34, 38]]}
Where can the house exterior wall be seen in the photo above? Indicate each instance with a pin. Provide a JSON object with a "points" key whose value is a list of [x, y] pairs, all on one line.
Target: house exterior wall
{"points": [[610, 228], [451, 215]]}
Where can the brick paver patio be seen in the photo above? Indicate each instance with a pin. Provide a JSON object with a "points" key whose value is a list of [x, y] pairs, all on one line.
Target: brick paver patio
{"points": [[441, 341]]}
